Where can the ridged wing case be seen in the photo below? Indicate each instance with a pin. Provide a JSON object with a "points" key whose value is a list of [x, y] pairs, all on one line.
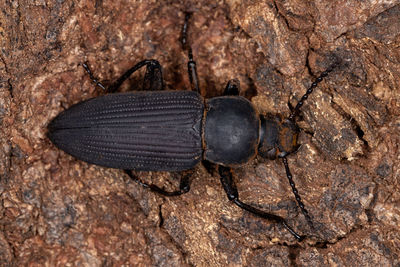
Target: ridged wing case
{"points": [[151, 131]]}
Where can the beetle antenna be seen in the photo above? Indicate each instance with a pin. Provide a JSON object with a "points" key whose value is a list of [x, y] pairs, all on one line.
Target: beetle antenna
{"points": [[296, 110], [296, 194]]}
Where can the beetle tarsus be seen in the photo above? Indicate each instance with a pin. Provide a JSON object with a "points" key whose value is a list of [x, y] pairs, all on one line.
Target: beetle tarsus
{"points": [[233, 195], [192, 69], [184, 39], [94, 80]]}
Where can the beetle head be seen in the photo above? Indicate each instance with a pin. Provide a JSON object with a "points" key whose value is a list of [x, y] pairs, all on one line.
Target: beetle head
{"points": [[278, 136]]}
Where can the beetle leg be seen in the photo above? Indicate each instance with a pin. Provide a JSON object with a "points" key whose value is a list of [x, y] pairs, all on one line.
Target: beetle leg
{"points": [[184, 39], [153, 80], [153, 72], [296, 194], [192, 70], [184, 184], [233, 195], [210, 167], [232, 88]]}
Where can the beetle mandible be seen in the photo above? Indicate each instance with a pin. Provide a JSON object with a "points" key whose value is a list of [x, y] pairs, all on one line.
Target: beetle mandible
{"points": [[158, 130]]}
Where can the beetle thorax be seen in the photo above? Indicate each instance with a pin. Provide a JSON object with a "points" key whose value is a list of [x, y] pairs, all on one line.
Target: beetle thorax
{"points": [[231, 130]]}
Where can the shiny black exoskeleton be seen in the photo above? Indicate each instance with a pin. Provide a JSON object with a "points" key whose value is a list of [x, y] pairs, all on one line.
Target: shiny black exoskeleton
{"points": [[158, 130]]}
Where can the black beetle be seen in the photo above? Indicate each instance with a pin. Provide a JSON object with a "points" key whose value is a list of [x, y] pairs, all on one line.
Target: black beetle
{"points": [[156, 130]]}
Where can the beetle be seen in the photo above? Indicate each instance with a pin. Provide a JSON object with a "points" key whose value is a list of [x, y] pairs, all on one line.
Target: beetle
{"points": [[160, 130]]}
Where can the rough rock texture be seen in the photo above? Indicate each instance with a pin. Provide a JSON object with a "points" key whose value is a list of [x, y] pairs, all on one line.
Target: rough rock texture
{"points": [[57, 210]]}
